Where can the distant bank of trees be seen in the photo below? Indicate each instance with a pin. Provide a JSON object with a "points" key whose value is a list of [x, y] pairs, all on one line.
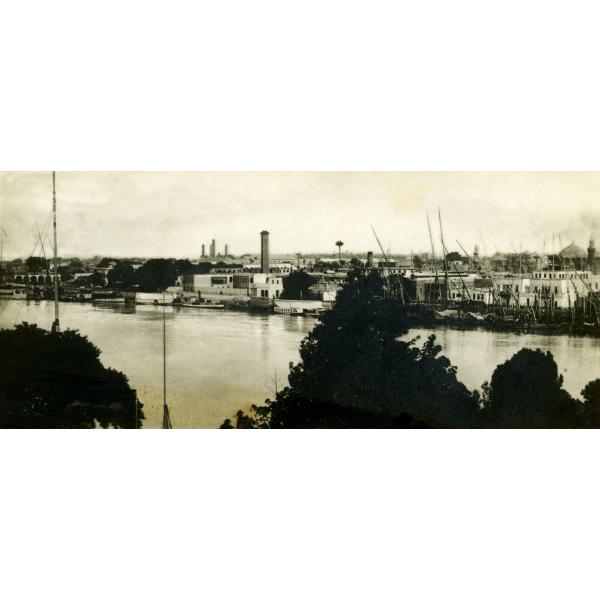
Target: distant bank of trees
{"points": [[296, 286], [356, 372], [154, 275]]}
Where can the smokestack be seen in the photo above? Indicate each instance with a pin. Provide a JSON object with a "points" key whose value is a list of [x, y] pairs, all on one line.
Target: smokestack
{"points": [[591, 255], [203, 250], [226, 250], [370, 259], [264, 251], [213, 249]]}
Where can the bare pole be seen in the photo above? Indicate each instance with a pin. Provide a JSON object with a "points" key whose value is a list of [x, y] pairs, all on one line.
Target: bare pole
{"points": [[56, 325], [445, 303], [164, 320], [437, 281], [166, 416], [2, 234], [481, 273], [386, 260]]}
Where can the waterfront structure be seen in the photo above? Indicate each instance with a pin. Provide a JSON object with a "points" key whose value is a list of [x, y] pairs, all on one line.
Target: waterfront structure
{"points": [[282, 268], [36, 278], [264, 251], [265, 289]]}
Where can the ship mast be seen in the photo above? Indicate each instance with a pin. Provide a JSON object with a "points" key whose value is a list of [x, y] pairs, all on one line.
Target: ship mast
{"points": [[56, 324], [166, 416]]}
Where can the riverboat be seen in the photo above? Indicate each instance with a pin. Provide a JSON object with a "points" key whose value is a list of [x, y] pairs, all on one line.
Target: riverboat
{"points": [[203, 304]]}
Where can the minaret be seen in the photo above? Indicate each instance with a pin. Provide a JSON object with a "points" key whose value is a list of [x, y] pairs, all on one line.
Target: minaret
{"points": [[476, 257], [264, 251], [591, 255]]}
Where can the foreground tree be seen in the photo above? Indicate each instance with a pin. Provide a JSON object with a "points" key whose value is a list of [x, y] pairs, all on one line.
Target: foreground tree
{"points": [[591, 406], [526, 391], [56, 380], [355, 372]]}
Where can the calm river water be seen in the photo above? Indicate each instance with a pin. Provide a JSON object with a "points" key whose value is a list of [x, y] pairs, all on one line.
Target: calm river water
{"points": [[221, 361]]}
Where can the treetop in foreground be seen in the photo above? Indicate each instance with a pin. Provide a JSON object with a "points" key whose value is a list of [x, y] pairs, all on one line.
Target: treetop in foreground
{"points": [[56, 380]]}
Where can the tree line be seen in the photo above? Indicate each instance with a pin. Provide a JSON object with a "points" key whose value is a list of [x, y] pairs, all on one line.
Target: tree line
{"points": [[355, 371]]}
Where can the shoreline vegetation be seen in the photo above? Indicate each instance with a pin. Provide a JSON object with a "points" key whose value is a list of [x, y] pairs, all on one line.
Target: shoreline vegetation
{"points": [[54, 380], [356, 372]]}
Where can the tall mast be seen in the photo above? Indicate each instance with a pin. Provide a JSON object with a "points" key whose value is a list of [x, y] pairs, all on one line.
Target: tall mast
{"points": [[166, 416], [437, 281], [56, 325], [2, 234], [445, 301]]}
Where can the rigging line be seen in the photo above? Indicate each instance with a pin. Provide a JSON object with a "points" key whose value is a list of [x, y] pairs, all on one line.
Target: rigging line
{"points": [[455, 268], [37, 239], [437, 283]]}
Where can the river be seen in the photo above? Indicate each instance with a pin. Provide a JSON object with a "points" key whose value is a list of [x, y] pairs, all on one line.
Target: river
{"points": [[221, 361]]}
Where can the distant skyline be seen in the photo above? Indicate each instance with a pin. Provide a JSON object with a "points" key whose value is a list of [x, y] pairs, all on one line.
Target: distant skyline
{"points": [[172, 214]]}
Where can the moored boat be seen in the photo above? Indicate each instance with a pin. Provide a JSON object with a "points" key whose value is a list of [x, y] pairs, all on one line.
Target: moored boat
{"points": [[203, 304]]}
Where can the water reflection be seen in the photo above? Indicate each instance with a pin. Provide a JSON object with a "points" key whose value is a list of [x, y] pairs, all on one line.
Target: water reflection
{"points": [[220, 361], [477, 353], [217, 361]]}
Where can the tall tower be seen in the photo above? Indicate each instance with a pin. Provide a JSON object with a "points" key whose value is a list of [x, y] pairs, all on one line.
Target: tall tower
{"points": [[476, 257], [591, 255], [264, 251], [213, 250]]}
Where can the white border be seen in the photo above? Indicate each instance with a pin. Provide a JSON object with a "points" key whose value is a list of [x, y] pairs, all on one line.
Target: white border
{"points": [[319, 85]]}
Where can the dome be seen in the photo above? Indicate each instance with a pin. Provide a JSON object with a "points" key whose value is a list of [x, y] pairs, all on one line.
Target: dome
{"points": [[573, 251]]}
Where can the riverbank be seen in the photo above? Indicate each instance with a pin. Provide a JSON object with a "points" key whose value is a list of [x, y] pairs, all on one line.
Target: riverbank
{"points": [[221, 361]]}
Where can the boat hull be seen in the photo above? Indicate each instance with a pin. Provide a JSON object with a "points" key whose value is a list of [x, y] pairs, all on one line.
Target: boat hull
{"points": [[213, 306]]}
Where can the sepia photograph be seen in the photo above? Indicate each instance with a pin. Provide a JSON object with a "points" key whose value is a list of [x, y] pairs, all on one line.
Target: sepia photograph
{"points": [[299, 300], [346, 253]]}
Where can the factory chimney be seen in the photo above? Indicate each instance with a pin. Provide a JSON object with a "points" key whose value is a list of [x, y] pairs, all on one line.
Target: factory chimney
{"points": [[369, 260], [213, 249], [203, 251], [264, 251], [226, 250]]}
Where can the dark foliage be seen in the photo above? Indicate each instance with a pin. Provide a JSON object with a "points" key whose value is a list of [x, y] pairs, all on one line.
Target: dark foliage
{"points": [[56, 380], [296, 286], [36, 264], [453, 257], [526, 391], [121, 275], [105, 262], [157, 274], [356, 373], [591, 406], [97, 279]]}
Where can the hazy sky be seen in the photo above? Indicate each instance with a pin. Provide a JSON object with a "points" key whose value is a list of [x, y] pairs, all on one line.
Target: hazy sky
{"points": [[172, 214]]}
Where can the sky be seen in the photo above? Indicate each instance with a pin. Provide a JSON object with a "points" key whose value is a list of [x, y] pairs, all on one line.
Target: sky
{"points": [[170, 214]]}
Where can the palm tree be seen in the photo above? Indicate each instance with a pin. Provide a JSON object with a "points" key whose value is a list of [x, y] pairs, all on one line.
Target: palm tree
{"points": [[339, 244]]}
